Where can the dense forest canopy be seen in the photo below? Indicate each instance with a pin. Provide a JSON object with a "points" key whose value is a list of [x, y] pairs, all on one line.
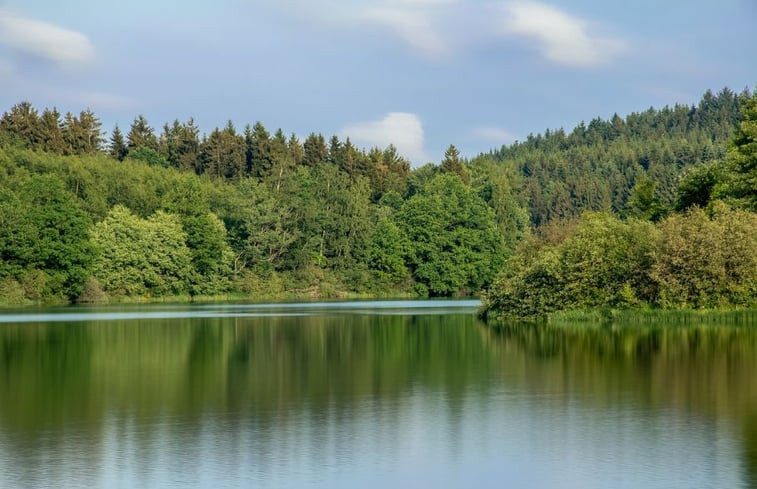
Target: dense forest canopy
{"points": [[86, 215]]}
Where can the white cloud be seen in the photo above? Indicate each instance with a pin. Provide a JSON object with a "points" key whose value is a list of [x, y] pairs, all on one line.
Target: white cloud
{"points": [[412, 26], [492, 134], [414, 22], [44, 40], [402, 129], [561, 37]]}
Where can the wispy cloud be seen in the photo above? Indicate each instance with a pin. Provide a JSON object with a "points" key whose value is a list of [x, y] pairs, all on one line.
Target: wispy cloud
{"points": [[561, 37], [492, 134], [414, 21], [33, 37], [402, 129]]}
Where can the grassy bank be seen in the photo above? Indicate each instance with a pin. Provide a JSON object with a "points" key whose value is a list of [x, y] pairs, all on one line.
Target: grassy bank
{"points": [[650, 317]]}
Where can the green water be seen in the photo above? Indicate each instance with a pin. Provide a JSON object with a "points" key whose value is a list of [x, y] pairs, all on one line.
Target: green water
{"points": [[372, 394]]}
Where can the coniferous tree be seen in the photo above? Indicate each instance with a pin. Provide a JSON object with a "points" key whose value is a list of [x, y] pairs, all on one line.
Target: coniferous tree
{"points": [[295, 149], [223, 153], [279, 145], [452, 163], [22, 124], [141, 134], [259, 150], [742, 157], [118, 149], [50, 132], [315, 151], [83, 134]]}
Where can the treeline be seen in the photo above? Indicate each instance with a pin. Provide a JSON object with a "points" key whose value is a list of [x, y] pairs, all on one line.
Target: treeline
{"points": [[703, 255], [86, 216], [88, 227]]}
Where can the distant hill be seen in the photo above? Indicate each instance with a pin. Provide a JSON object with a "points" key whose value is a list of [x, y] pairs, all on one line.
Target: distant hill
{"points": [[596, 165]]}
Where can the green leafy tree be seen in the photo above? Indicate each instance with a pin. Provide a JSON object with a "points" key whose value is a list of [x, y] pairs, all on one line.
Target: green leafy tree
{"points": [[388, 249], [644, 203], [697, 186], [141, 257], [148, 155], [45, 230], [708, 261], [264, 233], [455, 244]]}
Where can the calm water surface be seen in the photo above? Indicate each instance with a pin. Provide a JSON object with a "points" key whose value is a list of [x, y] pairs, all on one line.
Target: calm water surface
{"points": [[370, 394]]}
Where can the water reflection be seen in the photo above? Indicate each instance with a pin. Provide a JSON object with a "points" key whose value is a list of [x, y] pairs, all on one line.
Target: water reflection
{"points": [[340, 400]]}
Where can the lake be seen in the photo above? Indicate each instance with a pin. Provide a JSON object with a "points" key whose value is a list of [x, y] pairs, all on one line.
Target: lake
{"points": [[371, 395]]}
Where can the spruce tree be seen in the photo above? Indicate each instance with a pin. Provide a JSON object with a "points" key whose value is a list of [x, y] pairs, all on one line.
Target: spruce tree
{"points": [[118, 149]]}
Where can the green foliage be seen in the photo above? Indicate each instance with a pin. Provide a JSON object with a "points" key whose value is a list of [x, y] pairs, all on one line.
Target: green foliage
{"points": [[141, 257], [43, 229], [606, 261], [262, 231], [141, 135], [595, 166], [453, 164], [697, 186], [602, 261], [644, 202], [148, 155], [224, 154], [708, 262], [331, 219], [388, 248], [211, 255], [118, 149], [742, 157], [455, 244], [688, 260]]}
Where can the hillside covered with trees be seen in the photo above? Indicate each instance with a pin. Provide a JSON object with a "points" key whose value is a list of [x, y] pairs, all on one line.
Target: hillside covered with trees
{"points": [[144, 214]]}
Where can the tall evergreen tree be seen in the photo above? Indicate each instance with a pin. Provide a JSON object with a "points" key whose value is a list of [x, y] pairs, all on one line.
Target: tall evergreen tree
{"points": [[259, 150], [22, 124], [50, 132], [315, 151], [118, 149], [452, 163], [295, 149], [141, 134], [223, 153], [83, 134], [742, 157]]}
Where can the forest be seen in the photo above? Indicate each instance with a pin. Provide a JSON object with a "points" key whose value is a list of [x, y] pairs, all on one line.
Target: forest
{"points": [[654, 209]]}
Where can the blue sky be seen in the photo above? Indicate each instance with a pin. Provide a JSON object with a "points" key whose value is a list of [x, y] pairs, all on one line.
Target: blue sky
{"points": [[417, 73]]}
